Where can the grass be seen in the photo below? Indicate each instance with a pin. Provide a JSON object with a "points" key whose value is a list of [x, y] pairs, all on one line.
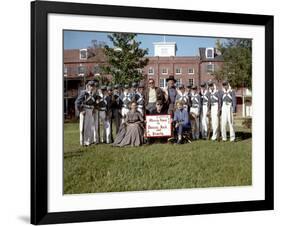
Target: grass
{"points": [[103, 168]]}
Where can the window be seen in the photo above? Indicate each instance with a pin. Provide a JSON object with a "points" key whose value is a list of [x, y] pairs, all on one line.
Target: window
{"points": [[81, 71], [190, 70], [151, 71], [83, 54], [164, 71], [209, 53], [178, 82], [162, 83], [96, 70], [191, 81], [65, 70], [178, 70], [210, 67]]}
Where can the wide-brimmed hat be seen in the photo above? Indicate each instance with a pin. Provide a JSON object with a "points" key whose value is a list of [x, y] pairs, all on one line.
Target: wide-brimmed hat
{"points": [[109, 88], [126, 86], [171, 77]]}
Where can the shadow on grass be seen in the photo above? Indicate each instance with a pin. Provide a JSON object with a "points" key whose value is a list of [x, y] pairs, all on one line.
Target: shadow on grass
{"points": [[73, 154], [243, 135]]}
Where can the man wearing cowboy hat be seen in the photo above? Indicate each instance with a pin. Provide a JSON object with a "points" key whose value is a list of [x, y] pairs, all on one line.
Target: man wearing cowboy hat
{"points": [[85, 104], [227, 110], [151, 95], [171, 93]]}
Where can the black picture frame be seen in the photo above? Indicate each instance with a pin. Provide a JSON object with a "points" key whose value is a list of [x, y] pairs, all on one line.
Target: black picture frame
{"points": [[39, 112]]}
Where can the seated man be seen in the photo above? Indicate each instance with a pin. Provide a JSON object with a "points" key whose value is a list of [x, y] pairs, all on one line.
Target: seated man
{"points": [[181, 121]]}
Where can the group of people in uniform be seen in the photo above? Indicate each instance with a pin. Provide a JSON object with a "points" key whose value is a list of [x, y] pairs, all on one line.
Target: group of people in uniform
{"points": [[198, 110]]}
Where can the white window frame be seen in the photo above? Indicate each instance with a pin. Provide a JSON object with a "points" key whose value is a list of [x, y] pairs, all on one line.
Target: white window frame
{"points": [[213, 67], [178, 73], [190, 73], [82, 58], [163, 72], [213, 53], [151, 73]]}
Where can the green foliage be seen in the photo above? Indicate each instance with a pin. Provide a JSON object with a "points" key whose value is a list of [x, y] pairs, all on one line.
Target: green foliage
{"points": [[237, 68], [126, 58], [103, 168]]}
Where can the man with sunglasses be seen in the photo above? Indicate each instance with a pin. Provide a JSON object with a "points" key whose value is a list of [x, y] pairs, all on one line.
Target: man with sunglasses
{"points": [[151, 95]]}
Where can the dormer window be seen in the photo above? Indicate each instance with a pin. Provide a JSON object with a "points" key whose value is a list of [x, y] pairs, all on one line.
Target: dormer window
{"points": [[209, 53], [83, 54]]}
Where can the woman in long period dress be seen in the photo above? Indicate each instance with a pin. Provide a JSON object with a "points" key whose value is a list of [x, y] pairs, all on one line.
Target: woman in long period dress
{"points": [[131, 131]]}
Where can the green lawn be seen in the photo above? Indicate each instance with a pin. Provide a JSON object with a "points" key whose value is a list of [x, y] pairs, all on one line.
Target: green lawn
{"points": [[102, 168]]}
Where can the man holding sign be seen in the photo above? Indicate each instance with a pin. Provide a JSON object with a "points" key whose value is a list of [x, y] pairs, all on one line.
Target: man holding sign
{"points": [[158, 124]]}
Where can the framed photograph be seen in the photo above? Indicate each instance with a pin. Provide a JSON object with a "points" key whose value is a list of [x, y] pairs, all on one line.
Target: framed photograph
{"points": [[145, 112]]}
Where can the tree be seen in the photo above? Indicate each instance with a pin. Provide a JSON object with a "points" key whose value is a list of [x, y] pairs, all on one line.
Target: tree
{"points": [[125, 58], [237, 67]]}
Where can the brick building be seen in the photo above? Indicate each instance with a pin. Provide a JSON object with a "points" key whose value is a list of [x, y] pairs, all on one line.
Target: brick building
{"points": [[81, 65]]}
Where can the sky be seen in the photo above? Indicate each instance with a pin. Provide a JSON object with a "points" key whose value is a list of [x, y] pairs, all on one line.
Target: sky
{"points": [[186, 45]]}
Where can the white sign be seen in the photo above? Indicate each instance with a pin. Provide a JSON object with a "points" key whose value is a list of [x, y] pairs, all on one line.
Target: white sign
{"points": [[158, 126]]}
